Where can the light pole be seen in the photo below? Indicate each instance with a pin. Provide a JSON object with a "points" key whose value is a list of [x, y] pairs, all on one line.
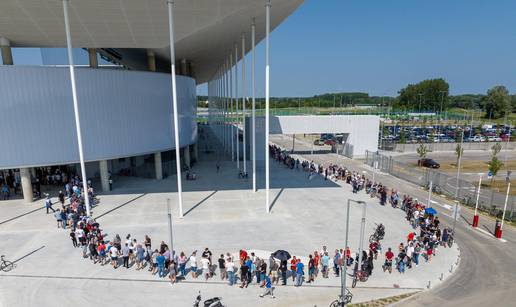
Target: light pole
{"points": [[76, 107], [458, 165], [343, 270], [267, 98], [362, 234], [429, 203], [420, 97], [475, 216], [171, 236]]}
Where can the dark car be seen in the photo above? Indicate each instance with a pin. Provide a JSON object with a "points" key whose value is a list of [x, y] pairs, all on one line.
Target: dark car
{"points": [[428, 163]]}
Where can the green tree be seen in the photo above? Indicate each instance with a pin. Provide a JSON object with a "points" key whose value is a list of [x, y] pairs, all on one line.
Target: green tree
{"points": [[496, 148], [430, 94], [422, 150], [497, 103], [459, 151], [494, 166]]}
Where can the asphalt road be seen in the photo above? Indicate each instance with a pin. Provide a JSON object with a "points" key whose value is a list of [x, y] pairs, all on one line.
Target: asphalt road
{"points": [[487, 271]]}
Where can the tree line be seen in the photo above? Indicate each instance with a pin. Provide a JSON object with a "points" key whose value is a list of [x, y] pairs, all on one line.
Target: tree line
{"points": [[431, 95]]}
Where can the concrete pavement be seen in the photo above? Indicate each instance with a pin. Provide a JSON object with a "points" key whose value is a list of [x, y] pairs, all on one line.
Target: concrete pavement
{"points": [[486, 273]]}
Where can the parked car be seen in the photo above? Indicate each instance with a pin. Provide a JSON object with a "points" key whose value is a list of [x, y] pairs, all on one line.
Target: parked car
{"points": [[476, 138], [494, 139], [430, 163], [329, 142], [319, 142]]}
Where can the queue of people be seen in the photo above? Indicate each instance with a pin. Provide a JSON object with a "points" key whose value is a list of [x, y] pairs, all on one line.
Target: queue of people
{"points": [[431, 234], [246, 268]]}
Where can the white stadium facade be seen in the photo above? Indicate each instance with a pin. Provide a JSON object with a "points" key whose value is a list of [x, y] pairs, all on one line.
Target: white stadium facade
{"points": [[105, 118]]}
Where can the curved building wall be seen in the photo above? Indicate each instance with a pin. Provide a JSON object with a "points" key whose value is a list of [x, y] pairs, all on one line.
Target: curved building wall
{"points": [[123, 113]]}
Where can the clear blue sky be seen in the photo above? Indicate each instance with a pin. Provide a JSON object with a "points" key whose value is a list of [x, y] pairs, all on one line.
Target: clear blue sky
{"points": [[379, 46]]}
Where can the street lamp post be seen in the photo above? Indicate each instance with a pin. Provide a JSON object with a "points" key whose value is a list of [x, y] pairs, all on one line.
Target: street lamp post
{"points": [[458, 165], [343, 269]]}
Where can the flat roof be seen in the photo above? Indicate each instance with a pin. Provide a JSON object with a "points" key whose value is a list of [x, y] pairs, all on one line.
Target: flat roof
{"points": [[205, 30]]}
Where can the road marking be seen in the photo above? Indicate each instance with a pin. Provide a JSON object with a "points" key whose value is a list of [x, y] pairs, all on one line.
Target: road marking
{"points": [[490, 235]]}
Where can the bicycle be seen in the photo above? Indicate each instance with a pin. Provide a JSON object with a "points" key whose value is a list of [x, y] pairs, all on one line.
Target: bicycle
{"points": [[360, 275], [342, 301], [6, 265]]}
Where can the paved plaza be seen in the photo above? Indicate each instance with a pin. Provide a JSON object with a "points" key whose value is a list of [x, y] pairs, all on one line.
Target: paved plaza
{"points": [[222, 213]]}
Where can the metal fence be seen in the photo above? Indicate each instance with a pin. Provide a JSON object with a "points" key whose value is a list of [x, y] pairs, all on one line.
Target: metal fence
{"points": [[490, 201]]}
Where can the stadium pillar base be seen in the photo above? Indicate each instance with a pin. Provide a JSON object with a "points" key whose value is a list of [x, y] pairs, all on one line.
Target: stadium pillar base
{"points": [[158, 166], [186, 155], [475, 221], [104, 175], [26, 185]]}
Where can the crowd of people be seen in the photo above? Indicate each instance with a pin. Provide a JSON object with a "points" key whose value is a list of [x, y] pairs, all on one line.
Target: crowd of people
{"points": [[245, 267], [431, 233]]}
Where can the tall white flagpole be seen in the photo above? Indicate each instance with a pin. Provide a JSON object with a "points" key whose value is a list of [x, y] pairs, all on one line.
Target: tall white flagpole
{"points": [[267, 47], [243, 105], [253, 30], [170, 5], [76, 107], [236, 113]]}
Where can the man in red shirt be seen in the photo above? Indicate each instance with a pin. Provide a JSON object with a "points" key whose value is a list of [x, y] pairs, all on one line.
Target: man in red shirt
{"points": [[389, 256], [410, 237], [316, 263]]}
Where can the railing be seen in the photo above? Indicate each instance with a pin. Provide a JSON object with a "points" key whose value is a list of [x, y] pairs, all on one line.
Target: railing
{"points": [[490, 201]]}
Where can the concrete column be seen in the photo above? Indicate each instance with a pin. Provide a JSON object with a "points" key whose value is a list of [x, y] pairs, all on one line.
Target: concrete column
{"points": [[7, 56], [196, 151], [151, 60], [158, 165], [92, 55], [104, 175], [26, 184], [186, 155], [184, 65]]}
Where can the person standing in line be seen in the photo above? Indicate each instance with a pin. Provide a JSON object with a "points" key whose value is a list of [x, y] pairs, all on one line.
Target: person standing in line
{"points": [[160, 259], [274, 271], [299, 273], [193, 264], [249, 264], [230, 268], [222, 267], [114, 256], [284, 268], [336, 260], [154, 258], [173, 271], [325, 262], [293, 263], [263, 272], [311, 269], [182, 264], [125, 255], [205, 265], [317, 258], [244, 269], [73, 237]]}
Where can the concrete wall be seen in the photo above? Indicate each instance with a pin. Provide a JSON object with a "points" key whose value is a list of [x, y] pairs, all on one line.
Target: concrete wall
{"points": [[362, 129], [123, 113], [452, 146]]}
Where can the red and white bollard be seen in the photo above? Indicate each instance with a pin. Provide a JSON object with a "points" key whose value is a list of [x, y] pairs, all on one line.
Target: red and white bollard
{"points": [[475, 221]]}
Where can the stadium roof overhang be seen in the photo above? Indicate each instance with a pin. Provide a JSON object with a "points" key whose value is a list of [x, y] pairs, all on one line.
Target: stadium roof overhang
{"points": [[205, 30]]}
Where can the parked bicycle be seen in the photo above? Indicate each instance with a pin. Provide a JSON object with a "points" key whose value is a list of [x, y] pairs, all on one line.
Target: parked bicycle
{"points": [[359, 275], [378, 234], [341, 301], [6, 265]]}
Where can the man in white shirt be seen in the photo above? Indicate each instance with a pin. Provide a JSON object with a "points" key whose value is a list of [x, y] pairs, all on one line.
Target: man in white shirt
{"points": [[230, 268], [205, 264], [114, 256]]}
